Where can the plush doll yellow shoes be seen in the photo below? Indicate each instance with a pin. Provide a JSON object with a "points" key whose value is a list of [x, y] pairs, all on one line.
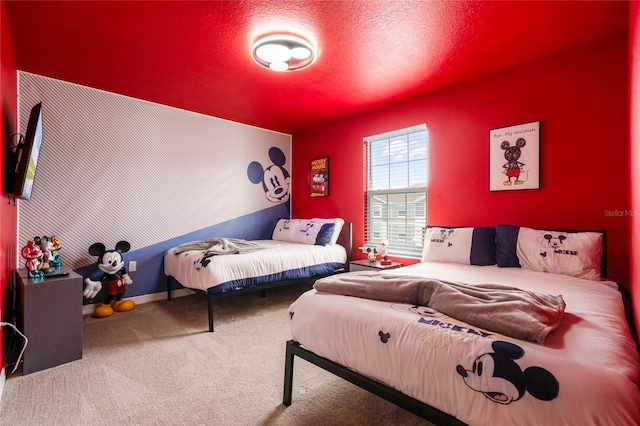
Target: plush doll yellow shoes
{"points": [[106, 309]]}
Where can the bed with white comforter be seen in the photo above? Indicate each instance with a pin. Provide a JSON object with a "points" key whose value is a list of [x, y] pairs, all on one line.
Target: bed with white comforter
{"points": [[274, 261], [586, 371], [301, 249]]}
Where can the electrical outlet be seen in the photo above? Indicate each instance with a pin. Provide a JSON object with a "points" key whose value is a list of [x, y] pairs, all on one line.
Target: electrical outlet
{"points": [[133, 265]]}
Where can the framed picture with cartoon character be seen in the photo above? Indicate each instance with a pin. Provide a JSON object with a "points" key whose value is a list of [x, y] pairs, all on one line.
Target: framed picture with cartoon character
{"points": [[514, 157], [319, 177]]}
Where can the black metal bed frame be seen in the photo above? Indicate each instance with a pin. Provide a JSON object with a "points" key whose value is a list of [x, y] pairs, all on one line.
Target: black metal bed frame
{"points": [[344, 239], [394, 396], [388, 393]]}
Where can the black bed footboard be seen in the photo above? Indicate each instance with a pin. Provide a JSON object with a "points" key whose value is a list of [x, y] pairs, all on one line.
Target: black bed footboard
{"points": [[418, 408]]}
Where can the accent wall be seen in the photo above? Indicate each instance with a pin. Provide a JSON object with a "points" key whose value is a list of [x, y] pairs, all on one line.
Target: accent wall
{"points": [[116, 168], [581, 99]]}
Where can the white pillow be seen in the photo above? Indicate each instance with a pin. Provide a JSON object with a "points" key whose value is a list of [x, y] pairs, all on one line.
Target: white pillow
{"points": [[303, 231], [337, 221], [576, 254], [447, 245], [469, 246]]}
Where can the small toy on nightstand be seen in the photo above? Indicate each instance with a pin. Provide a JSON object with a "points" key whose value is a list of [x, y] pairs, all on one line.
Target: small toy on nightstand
{"points": [[372, 254], [382, 251], [114, 275], [50, 251], [33, 255], [56, 246]]}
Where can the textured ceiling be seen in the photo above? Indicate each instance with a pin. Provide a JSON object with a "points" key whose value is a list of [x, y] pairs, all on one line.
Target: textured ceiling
{"points": [[196, 55]]}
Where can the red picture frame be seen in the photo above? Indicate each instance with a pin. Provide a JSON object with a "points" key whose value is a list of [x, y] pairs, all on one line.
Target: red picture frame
{"points": [[319, 177]]}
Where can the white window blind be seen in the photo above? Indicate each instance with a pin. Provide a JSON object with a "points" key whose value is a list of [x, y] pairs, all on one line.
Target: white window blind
{"points": [[396, 198]]}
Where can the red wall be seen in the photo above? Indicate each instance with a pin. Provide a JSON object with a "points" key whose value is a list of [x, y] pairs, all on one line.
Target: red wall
{"points": [[581, 99], [8, 212], [634, 54]]}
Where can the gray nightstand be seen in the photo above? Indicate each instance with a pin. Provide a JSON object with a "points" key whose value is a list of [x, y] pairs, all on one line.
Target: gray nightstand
{"points": [[51, 318], [366, 265]]}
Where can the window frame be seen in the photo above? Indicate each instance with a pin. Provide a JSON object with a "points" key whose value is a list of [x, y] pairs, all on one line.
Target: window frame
{"points": [[395, 249]]}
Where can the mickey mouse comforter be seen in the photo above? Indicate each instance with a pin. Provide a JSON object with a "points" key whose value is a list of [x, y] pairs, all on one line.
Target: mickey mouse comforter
{"points": [[273, 261], [585, 373]]}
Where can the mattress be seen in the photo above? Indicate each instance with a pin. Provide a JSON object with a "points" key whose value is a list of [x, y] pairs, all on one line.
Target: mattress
{"points": [[276, 261], [586, 372]]}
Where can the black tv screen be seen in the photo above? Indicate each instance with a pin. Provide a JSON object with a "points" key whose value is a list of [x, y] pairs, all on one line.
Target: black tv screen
{"points": [[24, 159]]}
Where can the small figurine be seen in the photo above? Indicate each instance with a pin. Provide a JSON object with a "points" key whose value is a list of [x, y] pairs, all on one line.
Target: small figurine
{"points": [[371, 254], [115, 276], [382, 251], [33, 255], [46, 247], [56, 246]]}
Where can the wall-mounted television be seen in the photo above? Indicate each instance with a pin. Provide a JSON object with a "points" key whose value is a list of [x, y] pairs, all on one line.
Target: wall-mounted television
{"points": [[23, 158]]}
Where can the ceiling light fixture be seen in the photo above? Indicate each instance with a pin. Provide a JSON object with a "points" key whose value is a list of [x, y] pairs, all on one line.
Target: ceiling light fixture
{"points": [[283, 52]]}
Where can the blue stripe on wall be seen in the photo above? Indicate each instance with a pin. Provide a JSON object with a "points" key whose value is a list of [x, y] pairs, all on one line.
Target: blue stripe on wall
{"points": [[149, 276]]}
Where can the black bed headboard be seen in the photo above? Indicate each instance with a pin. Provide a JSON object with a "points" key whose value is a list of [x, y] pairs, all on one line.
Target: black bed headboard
{"points": [[345, 239]]}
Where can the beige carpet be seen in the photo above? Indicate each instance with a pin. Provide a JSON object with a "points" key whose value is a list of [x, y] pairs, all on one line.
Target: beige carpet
{"points": [[158, 365]]}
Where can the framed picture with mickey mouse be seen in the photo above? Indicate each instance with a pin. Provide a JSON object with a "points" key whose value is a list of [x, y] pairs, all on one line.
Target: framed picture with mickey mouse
{"points": [[319, 177], [514, 157]]}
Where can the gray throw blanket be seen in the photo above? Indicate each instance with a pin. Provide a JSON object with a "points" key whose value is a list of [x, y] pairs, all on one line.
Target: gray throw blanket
{"points": [[217, 246], [503, 309]]}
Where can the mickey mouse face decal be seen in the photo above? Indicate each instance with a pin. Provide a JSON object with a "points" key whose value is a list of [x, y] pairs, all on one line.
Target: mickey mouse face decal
{"points": [[498, 377], [447, 233], [553, 241], [422, 311], [276, 184], [275, 179], [481, 378]]}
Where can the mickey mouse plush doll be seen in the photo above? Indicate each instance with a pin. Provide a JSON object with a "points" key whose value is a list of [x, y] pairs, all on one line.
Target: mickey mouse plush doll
{"points": [[115, 276]]}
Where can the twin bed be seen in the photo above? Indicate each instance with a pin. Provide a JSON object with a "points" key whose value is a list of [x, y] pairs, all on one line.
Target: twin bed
{"points": [[496, 325], [300, 250], [580, 368]]}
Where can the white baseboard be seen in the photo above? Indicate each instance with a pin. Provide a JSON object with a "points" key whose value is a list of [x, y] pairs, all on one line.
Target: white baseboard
{"points": [[145, 298]]}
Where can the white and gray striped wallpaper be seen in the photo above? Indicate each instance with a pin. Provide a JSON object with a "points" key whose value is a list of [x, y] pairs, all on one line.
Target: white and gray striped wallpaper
{"points": [[116, 168]]}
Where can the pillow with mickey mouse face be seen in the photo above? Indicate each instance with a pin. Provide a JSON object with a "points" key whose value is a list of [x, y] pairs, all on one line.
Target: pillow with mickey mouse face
{"points": [[303, 231], [577, 254], [469, 246]]}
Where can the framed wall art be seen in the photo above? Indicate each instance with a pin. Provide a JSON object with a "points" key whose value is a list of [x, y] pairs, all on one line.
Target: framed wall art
{"points": [[319, 177], [514, 157]]}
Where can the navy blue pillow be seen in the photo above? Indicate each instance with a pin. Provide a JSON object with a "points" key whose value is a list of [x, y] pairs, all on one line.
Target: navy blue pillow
{"points": [[507, 241], [324, 235], [483, 246]]}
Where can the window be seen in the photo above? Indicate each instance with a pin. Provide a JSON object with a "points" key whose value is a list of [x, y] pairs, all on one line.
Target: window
{"points": [[396, 197]]}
